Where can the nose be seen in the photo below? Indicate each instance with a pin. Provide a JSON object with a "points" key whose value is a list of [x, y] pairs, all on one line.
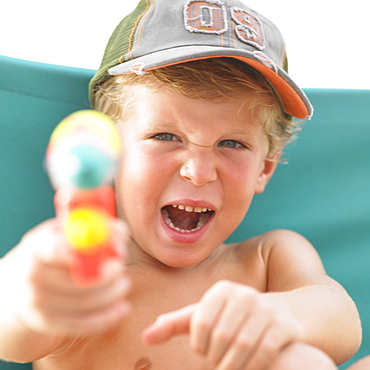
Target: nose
{"points": [[199, 165]]}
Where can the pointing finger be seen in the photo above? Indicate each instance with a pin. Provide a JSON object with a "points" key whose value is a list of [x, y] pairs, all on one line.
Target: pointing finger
{"points": [[169, 325]]}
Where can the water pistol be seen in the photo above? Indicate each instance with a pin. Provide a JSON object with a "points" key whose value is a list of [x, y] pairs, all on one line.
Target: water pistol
{"points": [[81, 161]]}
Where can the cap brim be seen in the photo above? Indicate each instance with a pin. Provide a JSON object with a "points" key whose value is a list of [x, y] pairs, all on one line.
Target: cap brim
{"points": [[294, 100]]}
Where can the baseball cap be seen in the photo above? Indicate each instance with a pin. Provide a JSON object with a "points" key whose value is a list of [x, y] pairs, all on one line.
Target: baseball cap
{"points": [[160, 33]]}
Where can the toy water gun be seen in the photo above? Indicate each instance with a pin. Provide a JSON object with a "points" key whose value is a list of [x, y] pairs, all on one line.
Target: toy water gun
{"points": [[81, 161]]}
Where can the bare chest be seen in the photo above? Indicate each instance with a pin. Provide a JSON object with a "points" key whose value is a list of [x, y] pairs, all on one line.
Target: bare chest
{"points": [[122, 347], [152, 295]]}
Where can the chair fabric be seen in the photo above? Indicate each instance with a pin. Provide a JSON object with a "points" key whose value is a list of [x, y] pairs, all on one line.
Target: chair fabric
{"points": [[323, 192]]}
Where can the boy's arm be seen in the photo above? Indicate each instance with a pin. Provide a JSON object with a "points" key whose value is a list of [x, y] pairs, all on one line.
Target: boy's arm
{"points": [[42, 307], [328, 315], [302, 304], [18, 342]]}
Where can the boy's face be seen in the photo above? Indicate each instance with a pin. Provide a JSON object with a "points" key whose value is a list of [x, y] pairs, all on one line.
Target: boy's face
{"points": [[205, 155]]}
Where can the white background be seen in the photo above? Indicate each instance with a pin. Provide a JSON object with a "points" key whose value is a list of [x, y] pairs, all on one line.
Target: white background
{"points": [[328, 41]]}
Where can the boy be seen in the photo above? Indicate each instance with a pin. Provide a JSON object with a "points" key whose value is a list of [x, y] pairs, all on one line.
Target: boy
{"points": [[203, 108]]}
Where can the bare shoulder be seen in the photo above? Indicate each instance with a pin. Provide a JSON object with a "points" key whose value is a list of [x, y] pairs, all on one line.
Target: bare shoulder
{"points": [[290, 247], [284, 237], [290, 259], [278, 241]]}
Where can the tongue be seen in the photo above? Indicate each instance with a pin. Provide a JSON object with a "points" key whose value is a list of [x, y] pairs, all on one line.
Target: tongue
{"points": [[182, 219]]}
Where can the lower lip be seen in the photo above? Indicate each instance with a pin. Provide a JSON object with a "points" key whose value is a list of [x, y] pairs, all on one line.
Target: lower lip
{"points": [[179, 237]]}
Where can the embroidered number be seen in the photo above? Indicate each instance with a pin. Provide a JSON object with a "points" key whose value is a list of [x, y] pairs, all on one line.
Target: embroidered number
{"points": [[207, 16], [249, 28]]}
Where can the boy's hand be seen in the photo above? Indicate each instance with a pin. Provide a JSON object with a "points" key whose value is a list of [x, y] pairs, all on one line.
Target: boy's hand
{"points": [[43, 295], [233, 326]]}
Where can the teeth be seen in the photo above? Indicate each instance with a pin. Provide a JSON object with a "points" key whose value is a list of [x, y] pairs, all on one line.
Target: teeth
{"points": [[191, 209], [202, 221]]}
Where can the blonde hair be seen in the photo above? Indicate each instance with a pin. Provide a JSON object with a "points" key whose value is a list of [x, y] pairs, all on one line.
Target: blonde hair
{"points": [[206, 79]]}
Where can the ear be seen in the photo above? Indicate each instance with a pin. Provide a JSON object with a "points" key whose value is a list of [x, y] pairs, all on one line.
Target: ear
{"points": [[268, 168]]}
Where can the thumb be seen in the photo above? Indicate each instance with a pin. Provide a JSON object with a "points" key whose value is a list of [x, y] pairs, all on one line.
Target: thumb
{"points": [[46, 243], [168, 325]]}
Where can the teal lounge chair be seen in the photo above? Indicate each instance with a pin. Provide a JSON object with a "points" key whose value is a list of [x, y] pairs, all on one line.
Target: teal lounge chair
{"points": [[323, 192]]}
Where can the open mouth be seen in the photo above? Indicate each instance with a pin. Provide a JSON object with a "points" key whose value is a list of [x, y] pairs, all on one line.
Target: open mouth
{"points": [[186, 219]]}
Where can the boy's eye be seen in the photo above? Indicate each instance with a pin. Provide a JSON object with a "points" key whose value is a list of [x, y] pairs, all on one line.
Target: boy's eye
{"points": [[165, 137], [232, 144]]}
